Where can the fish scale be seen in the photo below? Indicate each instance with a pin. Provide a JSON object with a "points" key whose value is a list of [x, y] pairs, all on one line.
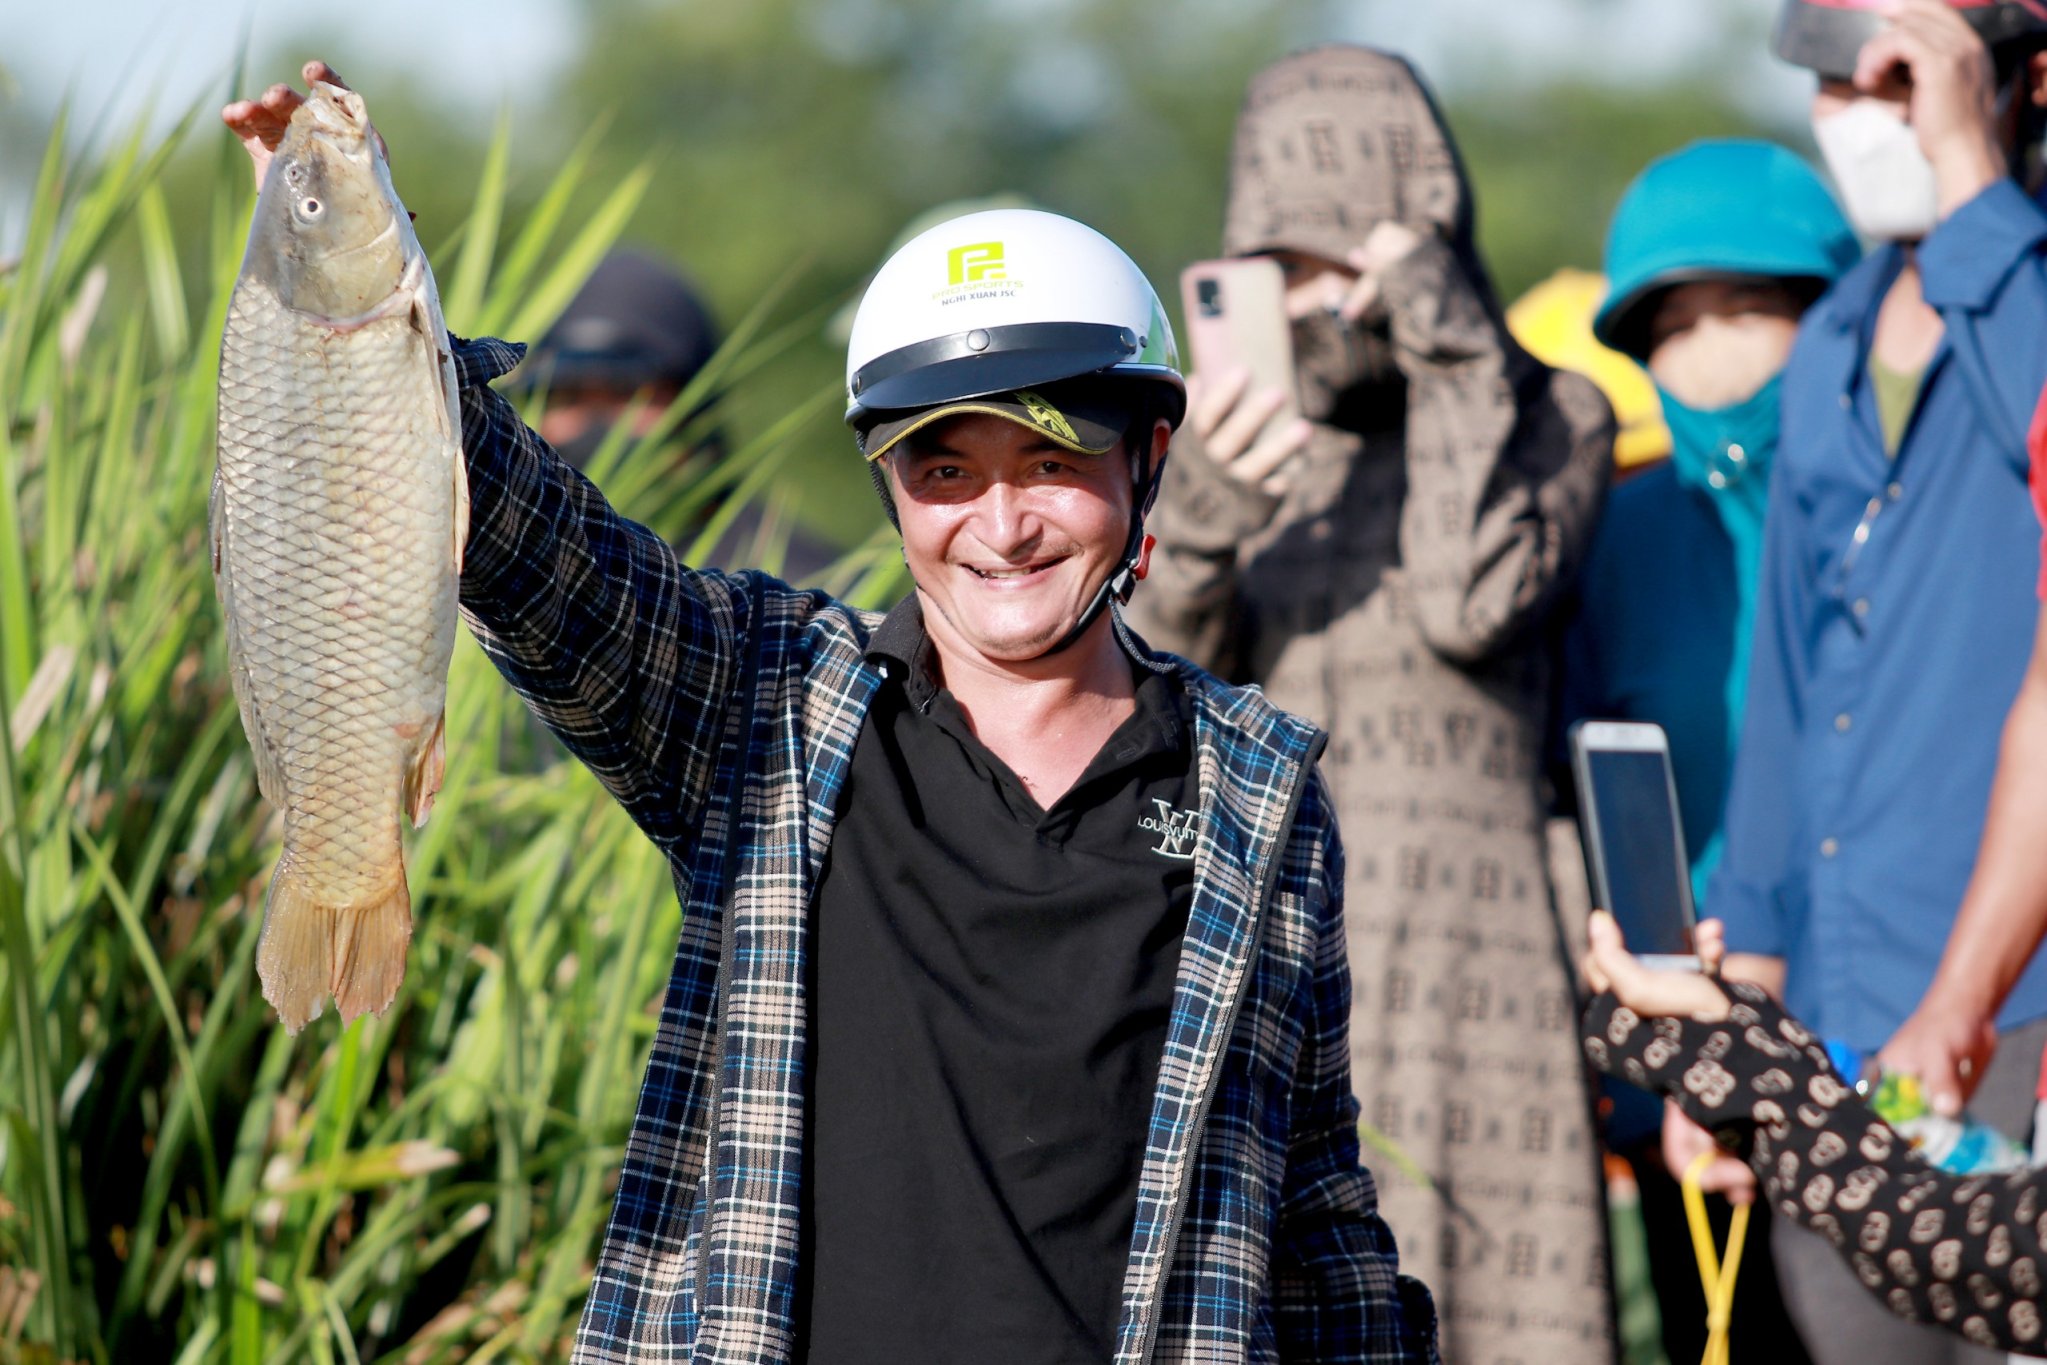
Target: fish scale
{"points": [[337, 518]]}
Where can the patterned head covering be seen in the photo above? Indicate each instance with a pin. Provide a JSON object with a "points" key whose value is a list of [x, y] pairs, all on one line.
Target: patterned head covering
{"points": [[1331, 142]]}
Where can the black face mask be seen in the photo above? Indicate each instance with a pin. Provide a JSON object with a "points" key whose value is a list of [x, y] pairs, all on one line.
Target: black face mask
{"points": [[1345, 369]]}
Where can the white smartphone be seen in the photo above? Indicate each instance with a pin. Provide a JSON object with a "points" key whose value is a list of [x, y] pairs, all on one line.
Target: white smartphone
{"points": [[1236, 317], [1634, 840]]}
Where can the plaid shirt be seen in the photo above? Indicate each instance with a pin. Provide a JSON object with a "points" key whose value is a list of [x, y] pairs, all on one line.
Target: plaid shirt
{"points": [[721, 710]]}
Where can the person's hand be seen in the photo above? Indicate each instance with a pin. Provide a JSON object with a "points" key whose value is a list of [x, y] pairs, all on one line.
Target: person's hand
{"points": [[260, 122], [1947, 1047], [1230, 421], [1684, 1140], [1386, 245], [1951, 92], [1609, 966]]}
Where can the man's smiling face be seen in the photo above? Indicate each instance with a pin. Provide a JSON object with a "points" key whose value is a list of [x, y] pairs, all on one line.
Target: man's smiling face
{"points": [[1007, 534]]}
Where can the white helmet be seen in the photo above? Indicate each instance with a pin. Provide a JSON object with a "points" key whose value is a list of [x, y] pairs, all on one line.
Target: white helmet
{"points": [[980, 313], [1002, 300]]}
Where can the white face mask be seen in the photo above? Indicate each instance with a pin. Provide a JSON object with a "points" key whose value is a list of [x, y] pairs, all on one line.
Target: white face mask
{"points": [[1886, 182]]}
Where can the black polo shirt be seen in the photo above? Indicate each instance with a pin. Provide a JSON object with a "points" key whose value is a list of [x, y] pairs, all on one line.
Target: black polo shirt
{"points": [[989, 986]]}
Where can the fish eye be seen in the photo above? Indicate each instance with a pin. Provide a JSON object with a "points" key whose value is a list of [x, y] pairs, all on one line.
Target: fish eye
{"points": [[310, 208]]}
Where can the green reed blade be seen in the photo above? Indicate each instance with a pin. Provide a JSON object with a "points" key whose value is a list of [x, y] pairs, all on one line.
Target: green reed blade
{"points": [[168, 310], [463, 299], [551, 292], [514, 277], [24, 315]]}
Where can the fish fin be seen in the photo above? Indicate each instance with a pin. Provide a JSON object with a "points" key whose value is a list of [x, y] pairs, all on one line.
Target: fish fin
{"points": [[423, 774], [433, 334], [461, 510], [269, 777], [426, 319], [293, 956], [215, 527], [311, 948], [370, 939]]}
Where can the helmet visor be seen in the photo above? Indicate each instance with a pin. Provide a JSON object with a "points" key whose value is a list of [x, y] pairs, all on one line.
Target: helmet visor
{"points": [[1085, 417]]}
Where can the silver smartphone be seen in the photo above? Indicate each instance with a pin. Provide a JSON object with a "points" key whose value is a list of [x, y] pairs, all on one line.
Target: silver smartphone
{"points": [[1634, 839]]}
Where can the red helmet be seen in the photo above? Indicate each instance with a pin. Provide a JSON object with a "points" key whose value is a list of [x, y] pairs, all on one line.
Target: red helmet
{"points": [[1826, 35]]}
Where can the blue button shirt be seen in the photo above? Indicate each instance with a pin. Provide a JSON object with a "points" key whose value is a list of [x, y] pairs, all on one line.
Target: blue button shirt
{"points": [[1894, 621]]}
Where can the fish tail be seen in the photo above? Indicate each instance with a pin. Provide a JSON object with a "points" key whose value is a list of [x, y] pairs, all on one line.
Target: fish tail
{"points": [[370, 939], [313, 946]]}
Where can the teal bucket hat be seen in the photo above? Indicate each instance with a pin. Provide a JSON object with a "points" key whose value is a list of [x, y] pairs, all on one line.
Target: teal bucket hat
{"points": [[1729, 207]]}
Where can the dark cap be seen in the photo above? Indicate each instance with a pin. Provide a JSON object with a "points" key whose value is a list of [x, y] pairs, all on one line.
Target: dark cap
{"points": [[634, 322], [1088, 416]]}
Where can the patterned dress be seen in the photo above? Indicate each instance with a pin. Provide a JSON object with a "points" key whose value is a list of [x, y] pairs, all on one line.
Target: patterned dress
{"points": [[1400, 595]]}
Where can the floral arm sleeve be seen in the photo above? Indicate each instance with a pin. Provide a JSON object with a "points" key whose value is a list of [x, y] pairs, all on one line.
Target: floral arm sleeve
{"points": [[1962, 1252]]}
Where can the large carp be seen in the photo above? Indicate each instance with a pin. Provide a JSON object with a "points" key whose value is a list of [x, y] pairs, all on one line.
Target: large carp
{"points": [[339, 513]]}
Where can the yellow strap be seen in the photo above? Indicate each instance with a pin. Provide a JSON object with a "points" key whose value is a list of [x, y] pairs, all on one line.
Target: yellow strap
{"points": [[1716, 1275]]}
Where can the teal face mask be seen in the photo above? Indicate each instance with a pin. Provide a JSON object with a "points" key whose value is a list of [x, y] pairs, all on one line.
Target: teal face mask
{"points": [[1726, 453]]}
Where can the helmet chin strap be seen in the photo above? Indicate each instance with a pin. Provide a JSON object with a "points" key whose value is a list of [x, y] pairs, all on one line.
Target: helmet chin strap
{"points": [[1122, 580], [888, 502]]}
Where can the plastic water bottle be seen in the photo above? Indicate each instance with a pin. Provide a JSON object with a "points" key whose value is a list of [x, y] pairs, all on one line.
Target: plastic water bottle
{"points": [[1962, 1145]]}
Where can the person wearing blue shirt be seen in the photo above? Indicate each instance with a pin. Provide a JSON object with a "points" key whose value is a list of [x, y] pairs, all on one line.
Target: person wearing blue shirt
{"points": [[1894, 611], [1713, 254]]}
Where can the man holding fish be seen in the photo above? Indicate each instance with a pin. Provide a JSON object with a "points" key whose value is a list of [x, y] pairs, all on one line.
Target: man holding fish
{"points": [[1008, 1017]]}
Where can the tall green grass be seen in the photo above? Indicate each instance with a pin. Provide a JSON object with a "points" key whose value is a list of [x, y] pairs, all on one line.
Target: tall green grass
{"points": [[179, 1180]]}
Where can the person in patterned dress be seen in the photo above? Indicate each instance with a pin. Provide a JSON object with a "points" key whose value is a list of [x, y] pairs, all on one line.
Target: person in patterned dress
{"points": [[1389, 566]]}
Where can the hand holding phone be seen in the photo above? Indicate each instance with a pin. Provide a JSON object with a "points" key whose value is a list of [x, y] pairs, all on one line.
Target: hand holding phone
{"points": [[1634, 840], [1243, 403]]}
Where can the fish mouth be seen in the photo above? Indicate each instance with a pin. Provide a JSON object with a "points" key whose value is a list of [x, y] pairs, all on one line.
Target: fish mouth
{"points": [[337, 111], [339, 121]]}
